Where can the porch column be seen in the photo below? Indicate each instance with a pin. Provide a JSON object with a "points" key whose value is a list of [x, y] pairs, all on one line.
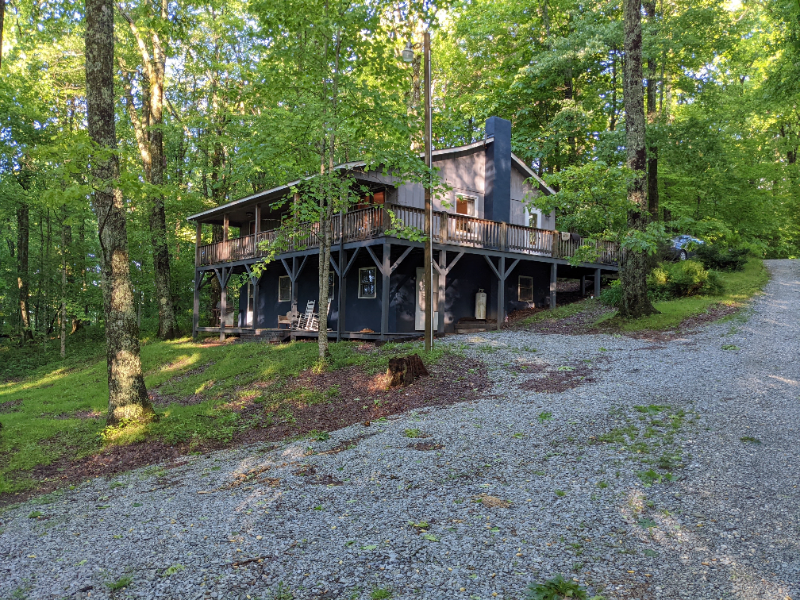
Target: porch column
{"points": [[294, 283], [257, 229], [553, 280], [196, 305], [501, 293], [442, 285], [386, 271], [583, 285], [197, 239], [596, 283], [225, 227], [254, 282], [223, 303], [342, 267]]}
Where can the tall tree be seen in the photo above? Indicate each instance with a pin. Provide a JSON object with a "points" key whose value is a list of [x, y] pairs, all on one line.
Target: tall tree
{"points": [[127, 395], [149, 130], [635, 262], [23, 274], [652, 83]]}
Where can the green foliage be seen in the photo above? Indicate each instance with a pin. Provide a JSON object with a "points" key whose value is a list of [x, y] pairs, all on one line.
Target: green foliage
{"points": [[557, 588], [722, 259], [681, 279], [119, 584]]}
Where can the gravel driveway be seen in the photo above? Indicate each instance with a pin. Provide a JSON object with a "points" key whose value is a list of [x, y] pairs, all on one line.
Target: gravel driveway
{"points": [[641, 468]]}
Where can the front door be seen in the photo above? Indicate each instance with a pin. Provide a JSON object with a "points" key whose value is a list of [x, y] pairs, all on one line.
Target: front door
{"points": [[419, 315]]}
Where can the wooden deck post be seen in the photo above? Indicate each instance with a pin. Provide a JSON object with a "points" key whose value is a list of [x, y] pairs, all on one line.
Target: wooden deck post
{"points": [[442, 285], [196, 305], [596, 283], [342, 265], [223, 304], [293, 279], [503, 232], [443, 221], [257, 212], [386, 271], [501, 293], [553, 281], [254, 282], [225, 226], [197, 240]]}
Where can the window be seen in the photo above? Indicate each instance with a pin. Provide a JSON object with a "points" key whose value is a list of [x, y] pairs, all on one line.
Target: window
{"points": [[525, 289], [367, 287], [533, 220], [465, 206], [371, 199], [284, 289]]}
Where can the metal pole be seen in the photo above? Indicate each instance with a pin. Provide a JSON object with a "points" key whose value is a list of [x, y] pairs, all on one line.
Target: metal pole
{"points": [[428, 204]]}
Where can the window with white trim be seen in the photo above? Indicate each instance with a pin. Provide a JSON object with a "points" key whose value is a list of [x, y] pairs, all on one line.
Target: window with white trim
{"points": [[367, 282], [525, 289], [465, 205], [284, 288]]}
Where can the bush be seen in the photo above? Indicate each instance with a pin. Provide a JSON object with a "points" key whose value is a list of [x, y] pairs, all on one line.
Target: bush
{"points": [[612, 295], [682, 279], [716, 257], [671, 280]]}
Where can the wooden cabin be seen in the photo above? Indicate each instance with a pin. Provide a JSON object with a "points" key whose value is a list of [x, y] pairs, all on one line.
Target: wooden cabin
{"points": [[491, 254]]}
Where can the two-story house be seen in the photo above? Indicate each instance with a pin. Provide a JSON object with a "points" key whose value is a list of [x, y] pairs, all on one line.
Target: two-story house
{"points": [[491, 253]]}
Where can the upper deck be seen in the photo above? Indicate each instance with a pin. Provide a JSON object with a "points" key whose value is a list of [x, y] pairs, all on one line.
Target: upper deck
{"points": [[448, 229]]}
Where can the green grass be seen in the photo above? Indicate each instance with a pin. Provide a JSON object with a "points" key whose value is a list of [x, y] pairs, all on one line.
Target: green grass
{"points": [[215, 374], [560, 312], [739, 288]]}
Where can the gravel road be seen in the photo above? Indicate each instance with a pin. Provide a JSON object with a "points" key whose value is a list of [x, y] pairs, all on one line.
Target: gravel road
{"points": [[641, 468]]}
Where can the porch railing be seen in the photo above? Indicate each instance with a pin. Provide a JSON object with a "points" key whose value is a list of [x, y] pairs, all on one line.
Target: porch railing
{"points": [[448, 228]]}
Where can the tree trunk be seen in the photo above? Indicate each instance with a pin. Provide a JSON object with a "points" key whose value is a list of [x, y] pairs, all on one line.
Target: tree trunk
{"points": [[66, 238], [127, 395], [635, 264], [324, 275], [652, 147], [2, 20], [150, 139], [23, 281]]}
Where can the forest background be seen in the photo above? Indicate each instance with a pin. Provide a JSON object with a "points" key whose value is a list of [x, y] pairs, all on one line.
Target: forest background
{"points": [[723, 126]]}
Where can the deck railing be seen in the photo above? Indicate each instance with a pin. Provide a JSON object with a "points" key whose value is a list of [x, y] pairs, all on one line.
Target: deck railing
{"points": [[374, 221]]}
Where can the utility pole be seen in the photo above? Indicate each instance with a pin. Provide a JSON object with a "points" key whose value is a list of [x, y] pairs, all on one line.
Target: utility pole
{"points": [[428, 204]]}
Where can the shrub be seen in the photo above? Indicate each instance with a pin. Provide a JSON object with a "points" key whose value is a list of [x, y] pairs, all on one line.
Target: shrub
{"points": [[556, 588], [681, 279], [713, 256], [612, 295], [671, 280]]}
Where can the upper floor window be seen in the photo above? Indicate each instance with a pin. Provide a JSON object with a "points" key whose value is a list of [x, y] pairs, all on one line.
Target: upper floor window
{"points": [[371, 199], [465, 205]]}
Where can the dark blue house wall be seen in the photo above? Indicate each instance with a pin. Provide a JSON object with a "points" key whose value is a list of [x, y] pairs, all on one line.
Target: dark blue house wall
{"points": [[362, 313], [541, 285], [467, 277], [307, 289]]}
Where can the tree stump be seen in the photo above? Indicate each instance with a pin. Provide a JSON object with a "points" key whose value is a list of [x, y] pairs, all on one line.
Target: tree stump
{"points": [[404, 370]]}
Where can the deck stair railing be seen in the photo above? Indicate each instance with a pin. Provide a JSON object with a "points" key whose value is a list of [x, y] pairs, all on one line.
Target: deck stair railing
{"points": [[448, 228]]}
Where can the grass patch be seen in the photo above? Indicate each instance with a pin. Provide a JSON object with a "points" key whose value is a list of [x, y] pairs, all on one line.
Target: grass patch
{"points": [[58, 411], [739, 288], [561, 312]]}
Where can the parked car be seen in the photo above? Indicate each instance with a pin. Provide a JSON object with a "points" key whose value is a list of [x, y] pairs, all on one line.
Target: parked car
{"points": [[683, 247]]}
